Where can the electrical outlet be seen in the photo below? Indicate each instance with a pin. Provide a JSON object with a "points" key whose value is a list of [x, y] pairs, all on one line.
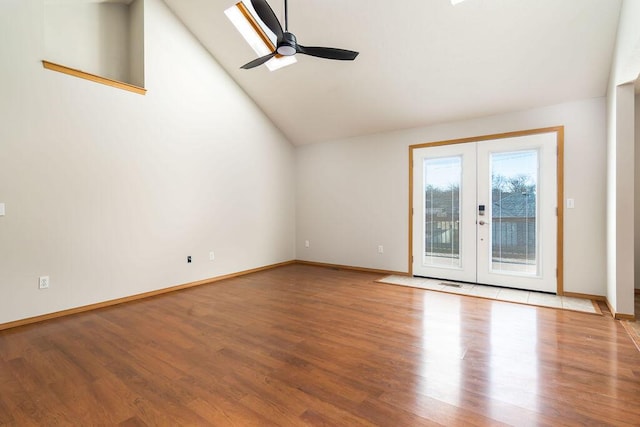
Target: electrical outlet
{"points": [[43, 282], [212, 256], [189, 259], [306, 243], [380, 249]]}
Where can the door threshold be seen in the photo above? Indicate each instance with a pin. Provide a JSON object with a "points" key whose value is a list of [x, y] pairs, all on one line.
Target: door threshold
{"points": [[497, 293], [456, 284]]}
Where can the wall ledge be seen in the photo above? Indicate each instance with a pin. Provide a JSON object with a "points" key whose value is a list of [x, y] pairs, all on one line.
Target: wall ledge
{"points": [[93, 77]]}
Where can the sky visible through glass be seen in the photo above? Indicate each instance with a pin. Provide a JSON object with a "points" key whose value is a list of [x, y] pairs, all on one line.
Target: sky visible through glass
{"points": [[516, 163], [444, 172]]}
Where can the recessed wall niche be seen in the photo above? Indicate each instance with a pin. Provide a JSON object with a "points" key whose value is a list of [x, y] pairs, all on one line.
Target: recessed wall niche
{"points": [[101, 37]]}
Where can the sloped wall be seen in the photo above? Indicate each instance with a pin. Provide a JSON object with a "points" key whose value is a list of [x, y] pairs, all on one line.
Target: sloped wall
{"points": [[107, 192]]}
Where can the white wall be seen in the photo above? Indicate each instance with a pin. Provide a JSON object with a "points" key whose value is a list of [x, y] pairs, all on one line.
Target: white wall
{"points": [[621, 155], [108, 192], [136, 43], [92, 37], [352, 195], [620, 166], [626, 56], [637, 195]]}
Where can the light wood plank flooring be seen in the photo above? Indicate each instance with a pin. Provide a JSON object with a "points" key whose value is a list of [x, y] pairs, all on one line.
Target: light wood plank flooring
{"points": [[303, 345]]}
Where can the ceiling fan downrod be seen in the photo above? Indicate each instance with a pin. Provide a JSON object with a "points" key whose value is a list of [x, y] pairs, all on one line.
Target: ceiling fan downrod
{"points": [[287, 46], [286, 16]]}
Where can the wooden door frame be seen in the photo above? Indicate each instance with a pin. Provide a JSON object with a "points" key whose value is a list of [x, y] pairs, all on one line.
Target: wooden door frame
{"points": [[559, 131]]}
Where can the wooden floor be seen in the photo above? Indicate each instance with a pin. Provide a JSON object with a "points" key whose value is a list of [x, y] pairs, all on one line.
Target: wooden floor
{"points": [[633, 327], [303, 345]]}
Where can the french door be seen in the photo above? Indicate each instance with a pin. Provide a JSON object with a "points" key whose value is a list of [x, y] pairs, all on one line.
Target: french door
{"points": [[485, 212]]}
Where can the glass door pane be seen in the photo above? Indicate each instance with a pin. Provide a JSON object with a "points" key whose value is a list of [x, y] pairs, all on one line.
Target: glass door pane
{"points": [[442, 185], [517, 183], [514, 218], [444, 199]]}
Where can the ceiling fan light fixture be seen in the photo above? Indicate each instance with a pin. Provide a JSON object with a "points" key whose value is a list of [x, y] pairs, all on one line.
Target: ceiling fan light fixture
{"points": [[455, 2], [286, 50], [287, 45], [242, 18]]}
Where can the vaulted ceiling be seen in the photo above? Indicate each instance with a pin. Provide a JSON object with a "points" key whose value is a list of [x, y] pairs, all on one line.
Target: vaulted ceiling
{"points": [[421, 62]]}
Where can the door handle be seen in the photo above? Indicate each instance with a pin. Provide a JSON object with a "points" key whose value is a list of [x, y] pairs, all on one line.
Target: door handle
{"points": [[482, 222]]}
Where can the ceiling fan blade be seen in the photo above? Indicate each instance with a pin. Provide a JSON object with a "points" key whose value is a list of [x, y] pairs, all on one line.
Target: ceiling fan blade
{"points": [[265, 13], [258, 61], [328, 52]]}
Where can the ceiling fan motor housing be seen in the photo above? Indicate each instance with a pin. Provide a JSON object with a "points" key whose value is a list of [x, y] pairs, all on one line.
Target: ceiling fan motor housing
{"points": [[287, 45]]}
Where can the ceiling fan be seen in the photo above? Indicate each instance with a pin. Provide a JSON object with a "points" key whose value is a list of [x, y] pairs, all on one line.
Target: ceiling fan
{"points": [[286, 43]]}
